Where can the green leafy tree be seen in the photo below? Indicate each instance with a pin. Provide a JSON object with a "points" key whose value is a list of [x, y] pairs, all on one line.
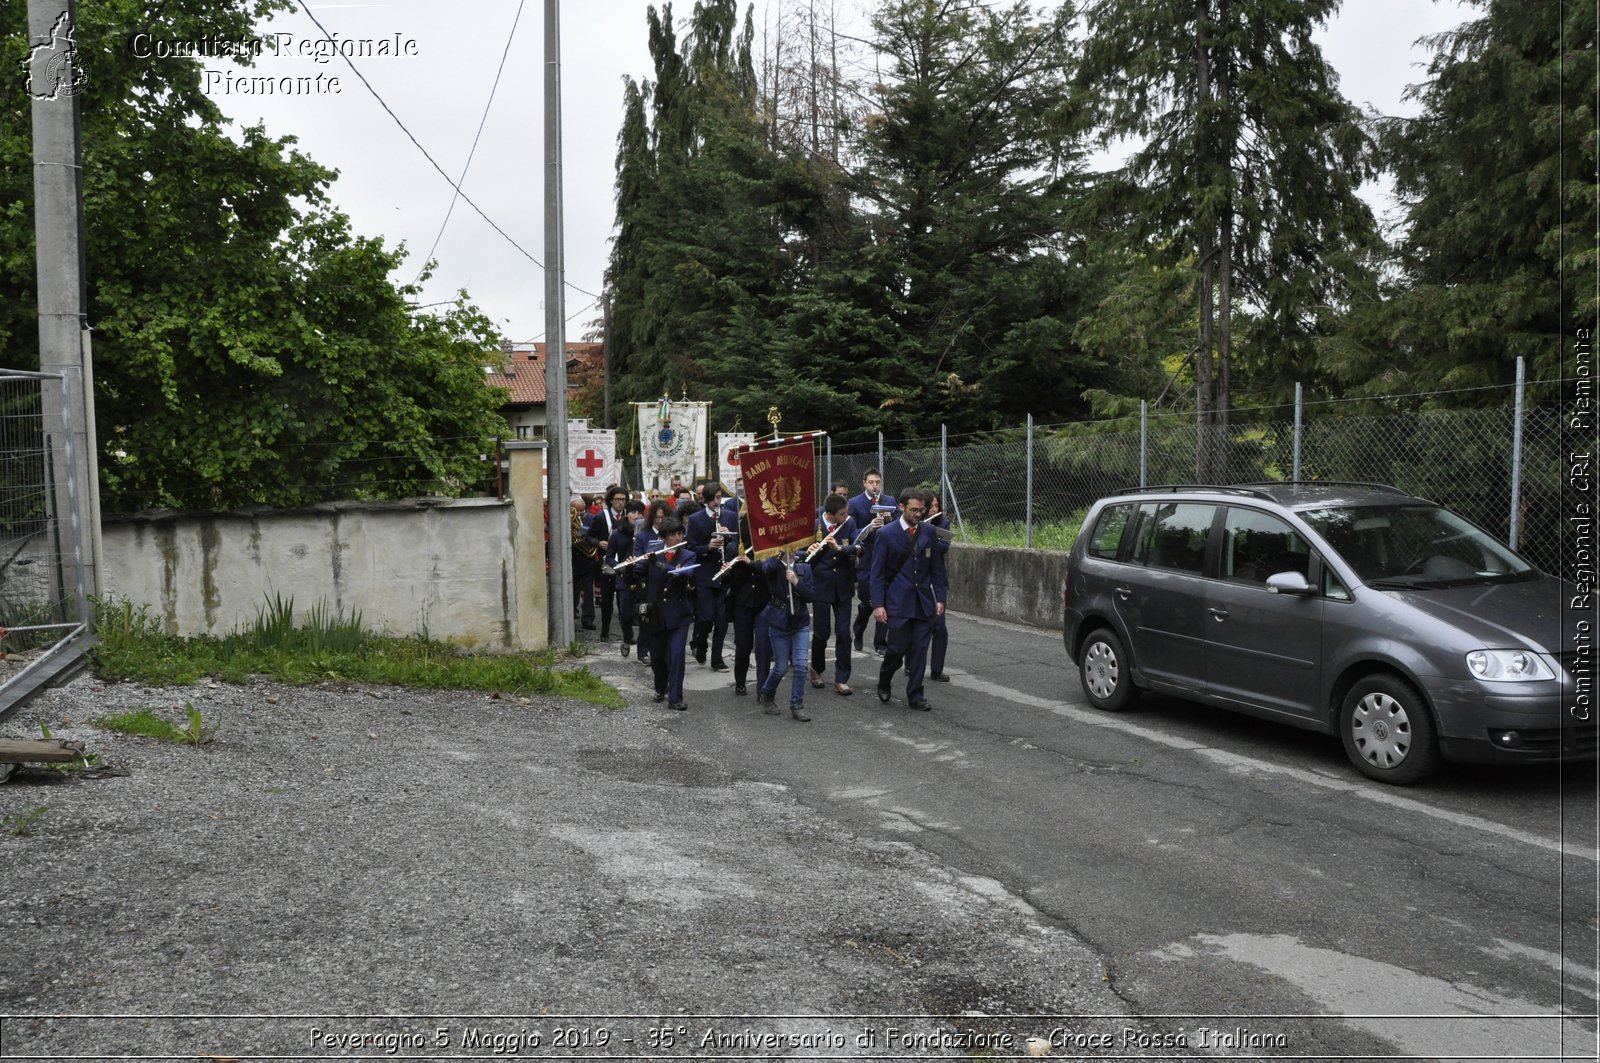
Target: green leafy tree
{"points": [[1245, 170], [249, 348], [1497, 177]]}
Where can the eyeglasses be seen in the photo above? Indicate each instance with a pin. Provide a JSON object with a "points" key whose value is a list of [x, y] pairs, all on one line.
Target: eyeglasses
{"points": [[912, 511]]}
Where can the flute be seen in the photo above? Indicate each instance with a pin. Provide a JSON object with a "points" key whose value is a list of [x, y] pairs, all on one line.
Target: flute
{"points": [[816, 547], [738, 558], [612, 570]]}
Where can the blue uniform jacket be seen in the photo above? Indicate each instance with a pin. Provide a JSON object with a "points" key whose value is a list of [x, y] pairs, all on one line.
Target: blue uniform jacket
{"points": [[908, 575], [778, 612], [833, 571], [670, 597]]}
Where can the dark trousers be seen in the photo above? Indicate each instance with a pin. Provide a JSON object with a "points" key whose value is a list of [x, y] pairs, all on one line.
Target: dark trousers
{"points": [[880, 632], [625, 608], [831, 619], [608, 598], [666, 661], [710, 623], [908, 645], [583, 573], [750, 636], [939, 643]]}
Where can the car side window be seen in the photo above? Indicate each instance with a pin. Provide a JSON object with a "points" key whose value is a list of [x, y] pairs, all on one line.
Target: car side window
{"points": [[1108, 532], [1172, 535], [1256, 545]]}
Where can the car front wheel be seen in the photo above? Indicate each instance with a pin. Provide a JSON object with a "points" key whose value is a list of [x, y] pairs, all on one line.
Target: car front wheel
{"points": [[1387, 732], [1103, 667]]}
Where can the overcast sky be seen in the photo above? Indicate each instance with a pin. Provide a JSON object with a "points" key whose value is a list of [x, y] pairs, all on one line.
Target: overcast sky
{"points": [[439, 86]]}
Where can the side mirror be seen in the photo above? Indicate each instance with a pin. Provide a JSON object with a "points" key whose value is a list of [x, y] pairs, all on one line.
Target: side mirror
{"points": [[1292, 583]]}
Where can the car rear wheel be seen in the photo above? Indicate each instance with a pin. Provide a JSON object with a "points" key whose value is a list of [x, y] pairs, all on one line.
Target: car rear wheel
{"points": [[1387, 732], [1103, 667]]}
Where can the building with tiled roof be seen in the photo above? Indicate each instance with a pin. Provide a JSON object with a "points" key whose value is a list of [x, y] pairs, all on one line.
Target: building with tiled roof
{"points": [[521, 374]]}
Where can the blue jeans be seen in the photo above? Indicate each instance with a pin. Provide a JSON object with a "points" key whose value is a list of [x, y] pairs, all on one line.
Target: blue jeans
{"points": [[789, 648]]}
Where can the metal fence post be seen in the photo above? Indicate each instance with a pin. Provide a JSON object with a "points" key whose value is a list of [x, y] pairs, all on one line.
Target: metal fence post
{"points": [[882, 465], [1144, 443], [944, 465], [1027, 504], [1516, 449], [1299, 412], [827, 466]]}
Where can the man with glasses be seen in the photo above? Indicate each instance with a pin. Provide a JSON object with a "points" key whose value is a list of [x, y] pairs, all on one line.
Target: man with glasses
{"points": [[908, 588]]}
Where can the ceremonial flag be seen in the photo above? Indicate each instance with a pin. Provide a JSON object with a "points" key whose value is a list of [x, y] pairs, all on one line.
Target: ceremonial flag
{"points": [[780, 493], [672, 441], [591, 458], [728, 444]]}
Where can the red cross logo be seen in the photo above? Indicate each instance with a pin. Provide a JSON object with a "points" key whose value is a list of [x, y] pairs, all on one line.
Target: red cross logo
{"points": [[590, 463]]}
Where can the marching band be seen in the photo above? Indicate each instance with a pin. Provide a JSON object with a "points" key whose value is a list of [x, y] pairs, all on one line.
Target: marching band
{"points": [[678, 578]]}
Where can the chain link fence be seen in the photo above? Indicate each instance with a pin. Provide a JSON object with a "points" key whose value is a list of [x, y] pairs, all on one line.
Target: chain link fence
{"points": [[1461, 458], [43, 602]]}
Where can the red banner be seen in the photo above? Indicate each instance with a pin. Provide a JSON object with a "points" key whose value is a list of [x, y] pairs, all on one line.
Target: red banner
{"points": [[780, 494]]}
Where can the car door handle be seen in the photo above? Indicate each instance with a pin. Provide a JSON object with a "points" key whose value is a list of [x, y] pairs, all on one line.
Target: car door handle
{"points": [[1124, 593], [1219, 613]]}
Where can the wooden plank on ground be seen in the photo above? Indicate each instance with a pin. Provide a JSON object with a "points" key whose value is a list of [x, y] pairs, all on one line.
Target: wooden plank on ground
{"points": [[39, 750]]}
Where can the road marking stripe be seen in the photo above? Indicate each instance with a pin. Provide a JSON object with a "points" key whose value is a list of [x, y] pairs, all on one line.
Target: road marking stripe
{"points": [[1238, 762]]}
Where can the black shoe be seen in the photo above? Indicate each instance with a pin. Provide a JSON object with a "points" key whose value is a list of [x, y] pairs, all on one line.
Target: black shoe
{"points": [[719, 666], [680, 706], [921, 706], [738, 688], [859, 640], [700, 655], [588, 625], [939, 677], [626, 648], [605, 636], [769, 701], [658, 698], [884, 695], [880, 650], [799, 713]]}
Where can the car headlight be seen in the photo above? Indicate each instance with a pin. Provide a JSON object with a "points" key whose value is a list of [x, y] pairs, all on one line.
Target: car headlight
{"points": [[1508, 666]]}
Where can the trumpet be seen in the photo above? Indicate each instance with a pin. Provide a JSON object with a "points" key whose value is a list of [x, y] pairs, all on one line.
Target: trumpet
{"points": [[739, 558], [816, 547], [612, 570]]}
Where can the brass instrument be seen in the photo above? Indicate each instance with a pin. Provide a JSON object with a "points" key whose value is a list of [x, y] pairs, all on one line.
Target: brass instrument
{"points": [[581, 540]]}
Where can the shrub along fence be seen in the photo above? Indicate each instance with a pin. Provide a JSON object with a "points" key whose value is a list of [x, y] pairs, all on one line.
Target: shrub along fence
{"points": [[1500, 465]]}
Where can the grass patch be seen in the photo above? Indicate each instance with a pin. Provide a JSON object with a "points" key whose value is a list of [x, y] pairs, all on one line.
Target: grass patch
{"points": [[1052, 535], [194, 731], [324, 646], [22, 824]]}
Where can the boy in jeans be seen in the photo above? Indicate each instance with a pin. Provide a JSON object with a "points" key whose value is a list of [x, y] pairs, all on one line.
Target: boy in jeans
{"points": [[788, 617]]}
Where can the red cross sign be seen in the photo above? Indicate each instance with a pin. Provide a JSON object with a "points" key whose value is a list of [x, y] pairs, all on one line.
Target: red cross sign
{"points": [[590, 463]]}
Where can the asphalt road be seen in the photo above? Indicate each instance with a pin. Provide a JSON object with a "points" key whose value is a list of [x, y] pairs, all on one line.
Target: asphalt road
{"points": [[1242, 884]]}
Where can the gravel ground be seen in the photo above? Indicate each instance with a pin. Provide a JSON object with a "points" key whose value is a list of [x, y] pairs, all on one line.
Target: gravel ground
{"points": [[425, 858]]}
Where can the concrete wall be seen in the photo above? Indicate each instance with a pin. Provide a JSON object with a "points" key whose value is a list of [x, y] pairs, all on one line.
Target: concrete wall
{"points": [[467, 571], [1023, 586]]}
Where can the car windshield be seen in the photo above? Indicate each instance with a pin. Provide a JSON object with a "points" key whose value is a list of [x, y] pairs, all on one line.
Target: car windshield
{"points": [[1416, 546]]}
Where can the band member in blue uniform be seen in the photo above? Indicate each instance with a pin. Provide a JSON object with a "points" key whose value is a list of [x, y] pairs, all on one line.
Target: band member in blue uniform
{"points": [[669, 611], [939, 520], [703, 537], [647, 538], [833, 579], [618, 549], [600, 528], [585, 565], [908, 593], [746, 597], [867, 525], [788, 617]]}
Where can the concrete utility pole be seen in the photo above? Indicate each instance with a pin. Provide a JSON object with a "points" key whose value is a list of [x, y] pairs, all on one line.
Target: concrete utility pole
{"points": [[54, 78], [562, 630]]}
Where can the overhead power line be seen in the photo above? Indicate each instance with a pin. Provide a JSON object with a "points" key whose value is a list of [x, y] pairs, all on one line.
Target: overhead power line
{"points": [[475, 137], [431, 161]]}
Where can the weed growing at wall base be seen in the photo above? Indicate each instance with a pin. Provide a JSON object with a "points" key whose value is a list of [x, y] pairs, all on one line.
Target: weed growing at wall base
{"points": [[326, 646]]}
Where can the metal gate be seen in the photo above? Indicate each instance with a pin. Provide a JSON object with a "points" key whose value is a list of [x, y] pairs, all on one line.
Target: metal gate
{"points": [[44, 606]]}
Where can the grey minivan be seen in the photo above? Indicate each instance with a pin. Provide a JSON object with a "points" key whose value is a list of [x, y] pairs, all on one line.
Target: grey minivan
{"points": [[1350, 609]]}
